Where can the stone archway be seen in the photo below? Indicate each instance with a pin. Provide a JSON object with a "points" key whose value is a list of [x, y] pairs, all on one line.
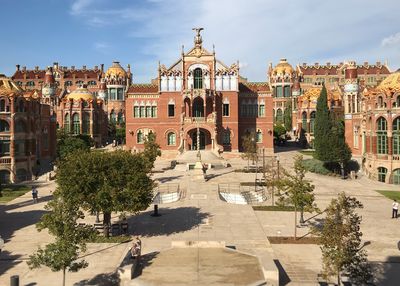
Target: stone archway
{"points": [[204, 139]]}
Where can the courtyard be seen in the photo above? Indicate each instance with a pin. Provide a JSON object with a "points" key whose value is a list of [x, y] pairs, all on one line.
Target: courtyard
{"points": [[200, 215]]}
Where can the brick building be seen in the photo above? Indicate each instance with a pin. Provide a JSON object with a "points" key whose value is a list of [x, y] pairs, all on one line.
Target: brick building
{"points": [[372, 125], [27, 132], [199, 92]]}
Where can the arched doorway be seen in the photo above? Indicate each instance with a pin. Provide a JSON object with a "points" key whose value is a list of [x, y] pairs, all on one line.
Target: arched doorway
{"points": [[5, 176], [204, 139]]}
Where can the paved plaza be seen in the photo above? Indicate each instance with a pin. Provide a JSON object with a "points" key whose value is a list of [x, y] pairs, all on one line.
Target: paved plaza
{"points": [[201, 216]]}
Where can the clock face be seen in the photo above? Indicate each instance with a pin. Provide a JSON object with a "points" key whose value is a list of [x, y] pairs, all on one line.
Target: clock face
{"points": [[351, 87]]}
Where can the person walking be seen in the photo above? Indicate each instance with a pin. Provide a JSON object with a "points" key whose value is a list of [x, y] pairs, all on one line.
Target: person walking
{"points": [[395, 208], [136, 249], [34, 194]]}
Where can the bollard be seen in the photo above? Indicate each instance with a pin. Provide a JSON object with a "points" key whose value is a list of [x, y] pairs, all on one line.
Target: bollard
{"points": [[155, 213], [14, 280]]}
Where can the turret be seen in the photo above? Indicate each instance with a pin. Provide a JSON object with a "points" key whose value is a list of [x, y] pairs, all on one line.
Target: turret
{"points": [[102, 93], [351, 96]]}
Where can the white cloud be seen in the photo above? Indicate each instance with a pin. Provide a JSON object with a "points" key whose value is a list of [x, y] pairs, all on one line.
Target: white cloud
{"points": [[391, 40], [256, 32], [79, 6]]}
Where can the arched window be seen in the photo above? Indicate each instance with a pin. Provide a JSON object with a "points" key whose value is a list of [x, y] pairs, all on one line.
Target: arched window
{"points": [[67, 124], [380, 101], [304, 121], [171, 139], [382, 171], [396, 176], [396, 136], [312, 121], [68, 83], [4, 126], [381, 134], [140, 137], [397, 103], [76, 124], [120, 117], [113, 117], [198, 78], [198, 107], [20, 126], [258, 136], [86, 123], [2, 105], [279, 116], [226, 140]]}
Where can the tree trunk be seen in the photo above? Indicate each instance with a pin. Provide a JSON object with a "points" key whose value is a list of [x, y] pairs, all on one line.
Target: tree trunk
{"points": [[106, 223], [63, 277], [295, 222], [301, 215], [338, 279]]}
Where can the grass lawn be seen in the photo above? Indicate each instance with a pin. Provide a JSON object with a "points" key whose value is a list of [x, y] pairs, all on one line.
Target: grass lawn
{"points": [[393, 195], [11, 192], [274, 208]]}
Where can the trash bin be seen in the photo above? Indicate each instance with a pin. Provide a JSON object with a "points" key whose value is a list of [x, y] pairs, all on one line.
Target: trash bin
{"points": [[14, 280]]}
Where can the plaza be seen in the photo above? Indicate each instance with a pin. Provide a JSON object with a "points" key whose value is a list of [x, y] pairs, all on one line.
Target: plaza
{"points": [[201, 216]]}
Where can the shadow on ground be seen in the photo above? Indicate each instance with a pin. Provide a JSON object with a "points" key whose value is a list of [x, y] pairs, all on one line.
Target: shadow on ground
{"points": [[103, 279], [388, 272], [172, 220]]}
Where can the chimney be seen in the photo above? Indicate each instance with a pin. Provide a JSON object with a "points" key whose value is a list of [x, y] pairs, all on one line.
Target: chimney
{"points": [[365, 63], [328, 64], [24, 68], [96, 68], [316, 65], [17, 67], [55, 65], [304, 65], [102, 67], [378, 64], [84, 67], [72, 68], [36, 68]]}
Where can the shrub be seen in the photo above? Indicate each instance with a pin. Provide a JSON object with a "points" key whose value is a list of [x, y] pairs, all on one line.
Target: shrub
{"points": [[316, 166]]}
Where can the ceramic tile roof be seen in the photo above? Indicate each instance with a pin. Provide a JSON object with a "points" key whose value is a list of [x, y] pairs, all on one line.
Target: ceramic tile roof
{"points": [[143, 88], [253, 87], [336, 69]]}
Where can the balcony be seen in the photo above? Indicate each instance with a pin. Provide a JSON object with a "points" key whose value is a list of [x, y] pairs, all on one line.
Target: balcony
{"points": [[201, 120], [5, 160]]}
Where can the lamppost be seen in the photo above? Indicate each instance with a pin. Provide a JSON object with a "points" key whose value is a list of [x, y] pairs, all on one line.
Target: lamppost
{"points": [[277, 161]]}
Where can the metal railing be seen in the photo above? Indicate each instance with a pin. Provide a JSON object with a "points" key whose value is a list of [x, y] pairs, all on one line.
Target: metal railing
{"points": [[236, 193], [167, 193]]}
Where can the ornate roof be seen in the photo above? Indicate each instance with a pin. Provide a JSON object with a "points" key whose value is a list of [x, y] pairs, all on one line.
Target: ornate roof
{"points": [[116, 71], [254, 87], [283, 67], [391, 83], [9, 87], [143, 88], [81, 93], [313, 93]]}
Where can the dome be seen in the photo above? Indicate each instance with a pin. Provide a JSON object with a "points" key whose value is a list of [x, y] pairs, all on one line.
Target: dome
{"points": [[392, 82], [81, 93], [116, 71], [283, 67]]}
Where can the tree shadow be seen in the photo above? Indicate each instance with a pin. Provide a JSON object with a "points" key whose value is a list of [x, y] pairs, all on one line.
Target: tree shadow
{"points": [[102, 279], [283, 277], [168, 179], [388, 272], [172, 220], [8, 261]]}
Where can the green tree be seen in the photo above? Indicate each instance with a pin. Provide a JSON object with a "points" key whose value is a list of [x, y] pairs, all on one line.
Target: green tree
{"points": [[296, 190], [287, 116], [341, 152], [67, 144], [151, 150], [106, 182], [279, 133], [340, 239], [322, 130], [70, 237], [250, 149]]}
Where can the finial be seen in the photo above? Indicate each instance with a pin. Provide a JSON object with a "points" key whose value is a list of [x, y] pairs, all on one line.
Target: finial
{"points": [[213, 49], [197, 39], [183, 49]]}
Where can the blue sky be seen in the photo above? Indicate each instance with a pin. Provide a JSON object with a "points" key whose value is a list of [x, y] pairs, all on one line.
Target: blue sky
{"points": [[143, 32]]}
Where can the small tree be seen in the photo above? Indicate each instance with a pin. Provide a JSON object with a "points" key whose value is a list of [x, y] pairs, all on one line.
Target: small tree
{"points": [[279, 133], [340, 239], [62, 255], [294, 189], [151, 150], [322, 130], [249, 147], [287, 116], [106, 181]]}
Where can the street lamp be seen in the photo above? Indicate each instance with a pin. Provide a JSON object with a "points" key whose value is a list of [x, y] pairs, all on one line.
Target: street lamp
{"points": [[277, 161]]}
